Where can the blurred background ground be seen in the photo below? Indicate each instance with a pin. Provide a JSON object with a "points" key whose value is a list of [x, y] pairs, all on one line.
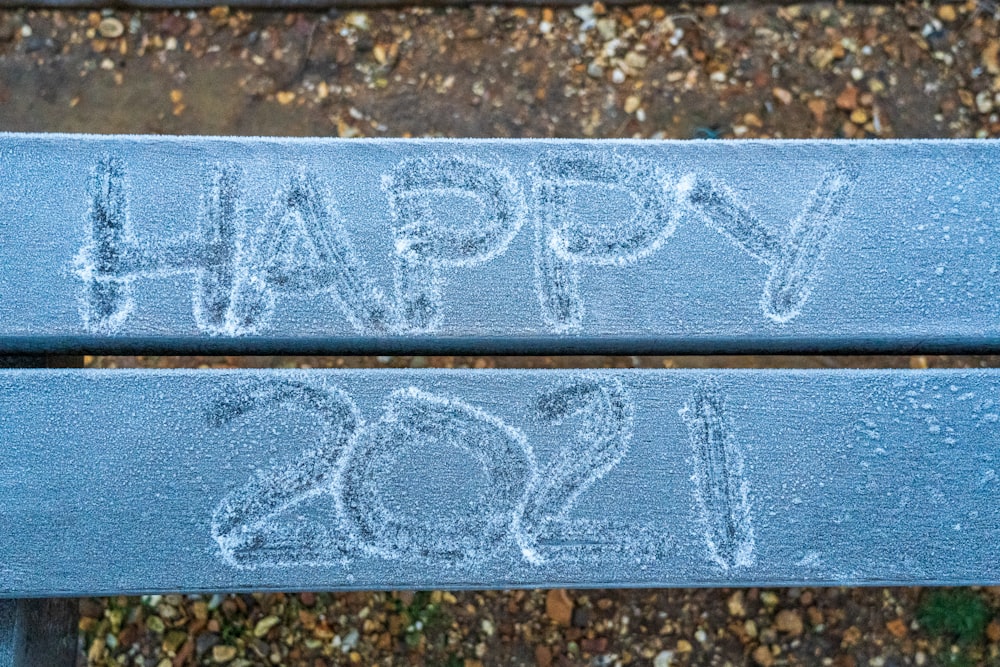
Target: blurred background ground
{"points": [[702, 72]]}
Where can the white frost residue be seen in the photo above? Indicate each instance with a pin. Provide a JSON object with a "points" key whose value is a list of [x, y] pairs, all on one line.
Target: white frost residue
{"points": [[521, 509], [425, 245], [300, 247], [795, 256], [563, 245], [720, 485]]}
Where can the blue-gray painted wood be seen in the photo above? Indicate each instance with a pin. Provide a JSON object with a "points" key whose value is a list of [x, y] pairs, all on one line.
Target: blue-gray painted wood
{"points": [[38, 633], [129, 481], [198, 245]]}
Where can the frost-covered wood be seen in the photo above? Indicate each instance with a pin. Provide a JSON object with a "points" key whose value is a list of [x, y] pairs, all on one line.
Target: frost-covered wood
{"points": [[244, 480], [264, 245], [38, 632]]}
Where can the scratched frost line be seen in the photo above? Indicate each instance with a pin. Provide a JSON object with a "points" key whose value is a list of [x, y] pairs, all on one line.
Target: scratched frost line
{"points": [[601, 442], [522, 509], [113, 259], [425, 245], [412, 418], [280, 490], [794, 257], [721, 488], [563, 244], [302, 246]]}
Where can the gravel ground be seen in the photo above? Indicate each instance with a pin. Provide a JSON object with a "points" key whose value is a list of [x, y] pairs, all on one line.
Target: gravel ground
{"points": [[676, 71], [709, 71]]}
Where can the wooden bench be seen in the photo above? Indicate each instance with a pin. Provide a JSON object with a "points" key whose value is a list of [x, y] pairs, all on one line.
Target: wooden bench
{"points": [[126, 482]]}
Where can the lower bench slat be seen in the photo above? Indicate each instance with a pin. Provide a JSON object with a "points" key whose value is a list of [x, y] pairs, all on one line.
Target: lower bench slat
{"points": [[144, 481]]}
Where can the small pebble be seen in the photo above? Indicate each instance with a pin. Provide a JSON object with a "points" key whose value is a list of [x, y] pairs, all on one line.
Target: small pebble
{"points": [[993, 630], [635, 60], [110, 28], [984, 102], [897, 627], [789, 622], [559, 607], [663, 659], [155, 623], [223, 653], [264, 625], [735, 604], [947, 13], [782, 95], [762, 656], [848, 98]]}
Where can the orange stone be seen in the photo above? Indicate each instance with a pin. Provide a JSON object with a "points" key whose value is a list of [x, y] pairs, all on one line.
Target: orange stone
{"points": [[848, 99], [897, 627], [559, 607], [993, 630]]}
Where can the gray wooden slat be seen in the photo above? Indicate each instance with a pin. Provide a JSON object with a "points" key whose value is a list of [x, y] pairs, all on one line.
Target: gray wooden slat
{"points": [[254, 480], [199, 245], [316, 4], [38, 633]]}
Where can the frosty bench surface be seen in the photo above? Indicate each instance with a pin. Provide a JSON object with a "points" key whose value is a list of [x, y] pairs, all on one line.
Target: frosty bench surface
{"points": [[277, 245], [324, 480], [275, 480]]}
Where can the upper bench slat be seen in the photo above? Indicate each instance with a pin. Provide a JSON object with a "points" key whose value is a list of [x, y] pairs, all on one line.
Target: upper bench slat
{"points": [[123, 244], [322, 480]]}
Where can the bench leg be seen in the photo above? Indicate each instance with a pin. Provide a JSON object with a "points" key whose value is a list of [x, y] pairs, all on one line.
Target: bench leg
{"points": [[39, 633]]}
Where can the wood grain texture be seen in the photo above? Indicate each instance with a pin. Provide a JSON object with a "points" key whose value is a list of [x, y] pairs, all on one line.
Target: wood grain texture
{"points": [[38, 633], [326, 480], [205, 245]]}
